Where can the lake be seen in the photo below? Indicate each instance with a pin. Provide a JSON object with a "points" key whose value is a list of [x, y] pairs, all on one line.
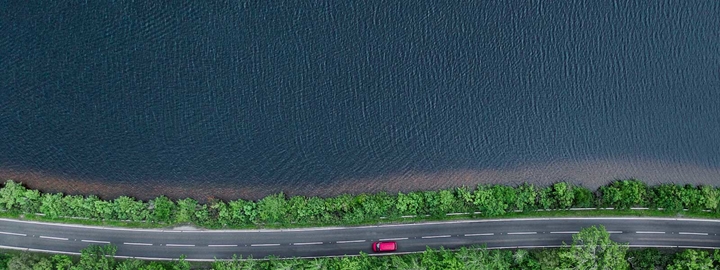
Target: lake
{"points": [[247, 98]]}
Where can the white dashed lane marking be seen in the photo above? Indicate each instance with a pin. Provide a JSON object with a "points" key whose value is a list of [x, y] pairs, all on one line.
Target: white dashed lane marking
{"points": [[648, 232], [94, 241], [264, 245], [53, 238], [480, 234], [693, 233], [15, 234], [308, 243], [179, 245], [350, 241], [137, 244], [222, 245], [393, 239], [566, 232], [512, 233], [435, 236]]}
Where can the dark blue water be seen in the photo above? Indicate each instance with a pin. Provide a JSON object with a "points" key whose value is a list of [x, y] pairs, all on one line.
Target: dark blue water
{"points": [[303, 94]]}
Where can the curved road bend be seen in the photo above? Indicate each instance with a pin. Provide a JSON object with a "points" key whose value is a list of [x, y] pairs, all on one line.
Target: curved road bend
{"points": [[206, 245]]}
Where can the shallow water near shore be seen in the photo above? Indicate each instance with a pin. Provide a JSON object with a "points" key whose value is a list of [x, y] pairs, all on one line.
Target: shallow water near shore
{"points": [[247, 99]]}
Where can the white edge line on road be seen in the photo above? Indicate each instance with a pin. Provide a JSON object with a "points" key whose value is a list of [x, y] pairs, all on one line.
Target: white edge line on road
{"points": [[264, 245], [568, 232], [350, 241], [95, 241], [537, 246], [479, 234], [512, 233], [179, 245], [693, 233], [649, 232], [222, 245], [53, 238], [16, 234], [361, 227], [309, 257], [393, 239], [697, 247], [436, 236], [137, 244], [307, 243], [116, 256]]}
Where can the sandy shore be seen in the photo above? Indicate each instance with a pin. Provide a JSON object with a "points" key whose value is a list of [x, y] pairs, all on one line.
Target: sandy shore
{"points": [[591, 174]]}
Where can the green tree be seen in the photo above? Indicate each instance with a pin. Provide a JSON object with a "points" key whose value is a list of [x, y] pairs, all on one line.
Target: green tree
{"points": [[298, 209], [162, 209], [667, 196], [30, 203], [506, 195], [153, 266], [186, 210], [22, 261], [647, 258], [484, 198], [97, 257], [406, 204], [624, 194], [317, 206], [563, 194], [89, 208], [243, 212], [201, 216], [432, 204], [446, 201], [545, 198], [127, 208], [104, 209], [11, 195], [523, 260], [583, 197], [130, 264], [547, 258], [465, 195], [273, 208], [691, 259], [221, 214], [181, 264], [592, 249], [62, 262], [526, 197], [74, 205], [52, 205], [711, 197], [43, 264], [692, 198]]}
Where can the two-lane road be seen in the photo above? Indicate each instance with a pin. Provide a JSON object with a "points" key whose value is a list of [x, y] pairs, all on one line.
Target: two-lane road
{"points": [[503, 233]]}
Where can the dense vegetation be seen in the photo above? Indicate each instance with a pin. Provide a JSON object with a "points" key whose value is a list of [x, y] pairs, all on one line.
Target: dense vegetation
{"points": [[92, 257], [591, 249], [278, 210]]}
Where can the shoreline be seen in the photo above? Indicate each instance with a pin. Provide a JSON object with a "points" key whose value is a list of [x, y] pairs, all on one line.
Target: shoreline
{"points": [[591, 174]]}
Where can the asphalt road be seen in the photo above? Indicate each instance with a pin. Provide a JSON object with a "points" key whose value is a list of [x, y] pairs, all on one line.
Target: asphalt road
{"points": [[207, 245]]}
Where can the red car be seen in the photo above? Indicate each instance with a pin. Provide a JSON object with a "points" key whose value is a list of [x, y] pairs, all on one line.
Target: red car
{"points": [[384, 246]]}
